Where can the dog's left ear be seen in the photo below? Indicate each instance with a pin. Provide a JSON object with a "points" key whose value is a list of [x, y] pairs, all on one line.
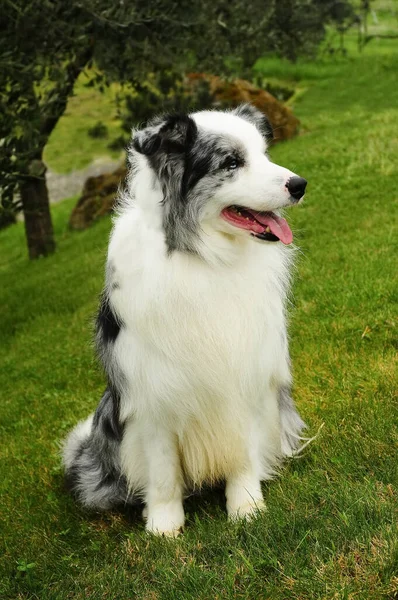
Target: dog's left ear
{"points": [[257, 118], [173, 133]]}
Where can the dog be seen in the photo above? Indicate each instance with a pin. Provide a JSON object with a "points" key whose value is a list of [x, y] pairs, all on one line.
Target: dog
{"points": [[191, 328]]}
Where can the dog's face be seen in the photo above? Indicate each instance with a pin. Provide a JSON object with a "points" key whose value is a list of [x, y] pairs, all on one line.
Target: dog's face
{"points": [[214, 176]]}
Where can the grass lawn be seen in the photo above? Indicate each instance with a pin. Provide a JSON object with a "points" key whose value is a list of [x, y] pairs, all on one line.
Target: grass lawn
{"points": [[331, 527]]}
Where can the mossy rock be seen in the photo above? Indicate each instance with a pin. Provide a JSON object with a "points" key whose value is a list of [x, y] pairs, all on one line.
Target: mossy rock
{"points": [[97, 199], [228, 94]]}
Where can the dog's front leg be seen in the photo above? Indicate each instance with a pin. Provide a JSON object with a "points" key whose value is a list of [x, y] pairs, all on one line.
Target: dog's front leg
{"points": [[244, 495], [164, 511], [243, 487]]}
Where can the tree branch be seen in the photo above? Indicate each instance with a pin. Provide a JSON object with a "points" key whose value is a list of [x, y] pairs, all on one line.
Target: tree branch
{"points": [[58, 97]]}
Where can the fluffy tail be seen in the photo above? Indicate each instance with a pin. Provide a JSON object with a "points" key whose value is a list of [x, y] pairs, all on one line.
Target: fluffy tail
{"points": [[291, 423], [91, 458]]}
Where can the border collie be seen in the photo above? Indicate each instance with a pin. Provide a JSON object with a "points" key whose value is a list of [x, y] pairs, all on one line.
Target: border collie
{"points": [[191, 328]]}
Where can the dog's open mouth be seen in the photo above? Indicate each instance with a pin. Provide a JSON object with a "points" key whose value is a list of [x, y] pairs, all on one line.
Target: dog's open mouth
{"points": [[263, 225]]}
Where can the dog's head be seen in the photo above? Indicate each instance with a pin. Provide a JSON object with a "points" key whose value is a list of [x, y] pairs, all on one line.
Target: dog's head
{"points": [[209, 174]]}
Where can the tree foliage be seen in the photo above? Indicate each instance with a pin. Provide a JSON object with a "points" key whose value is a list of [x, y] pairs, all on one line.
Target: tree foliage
{"points": [[45, 44]]}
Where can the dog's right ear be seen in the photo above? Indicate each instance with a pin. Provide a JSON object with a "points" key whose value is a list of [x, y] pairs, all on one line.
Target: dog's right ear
{"points": [[173, 133], [147, 141]]}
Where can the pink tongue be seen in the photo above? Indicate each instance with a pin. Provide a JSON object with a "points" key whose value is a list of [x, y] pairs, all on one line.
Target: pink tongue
{"points": [[277, 225]]}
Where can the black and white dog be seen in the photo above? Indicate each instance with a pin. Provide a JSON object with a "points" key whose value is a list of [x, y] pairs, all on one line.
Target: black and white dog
{"points": [[191, 328]]}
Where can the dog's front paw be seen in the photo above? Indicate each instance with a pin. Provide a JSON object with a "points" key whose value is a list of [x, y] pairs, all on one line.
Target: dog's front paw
{"points": [[165, 519], [248, 510], [244, 498], [244, 505]]}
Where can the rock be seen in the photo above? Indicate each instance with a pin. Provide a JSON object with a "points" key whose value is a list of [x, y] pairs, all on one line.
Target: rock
{"points": [[231, 93], [64, 185], [97, 199]]}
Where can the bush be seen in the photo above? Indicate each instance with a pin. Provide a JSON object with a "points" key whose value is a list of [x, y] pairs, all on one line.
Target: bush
{"points": [[99, 130]]}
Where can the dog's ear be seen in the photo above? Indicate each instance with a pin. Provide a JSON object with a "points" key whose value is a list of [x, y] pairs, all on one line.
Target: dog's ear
{"points": [[146, 141], [257, 118], [173, 133]]}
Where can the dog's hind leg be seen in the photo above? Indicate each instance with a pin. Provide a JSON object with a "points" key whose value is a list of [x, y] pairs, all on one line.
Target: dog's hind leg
{"points": [[291, 424], [91, 455]]}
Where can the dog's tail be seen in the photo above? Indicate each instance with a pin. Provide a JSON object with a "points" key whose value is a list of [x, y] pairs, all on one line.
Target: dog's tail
{"points": [[292, 425], [91, 456]]}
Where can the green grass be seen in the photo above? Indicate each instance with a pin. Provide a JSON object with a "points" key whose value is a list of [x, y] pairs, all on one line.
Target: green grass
{"points": [[330, 531]]}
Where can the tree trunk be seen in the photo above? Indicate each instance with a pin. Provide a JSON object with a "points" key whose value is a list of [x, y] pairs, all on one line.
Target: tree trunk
{"points": [[33, 188], [36, 210]]}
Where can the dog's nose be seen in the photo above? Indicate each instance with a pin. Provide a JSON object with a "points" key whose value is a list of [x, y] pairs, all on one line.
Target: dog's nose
{"points": [[296, 186]]}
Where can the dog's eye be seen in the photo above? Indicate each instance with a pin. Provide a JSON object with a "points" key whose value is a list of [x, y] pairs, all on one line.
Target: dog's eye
{"points": [[231, 163]]}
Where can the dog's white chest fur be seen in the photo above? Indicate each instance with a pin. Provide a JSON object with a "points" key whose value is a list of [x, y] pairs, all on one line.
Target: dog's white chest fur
{"points": [[199, 344]]}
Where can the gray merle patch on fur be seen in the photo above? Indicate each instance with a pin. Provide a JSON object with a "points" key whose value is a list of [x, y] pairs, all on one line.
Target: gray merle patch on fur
{"points": [[182, 157], [95, 475], [107, 415], [107, 324], [107, 329], [111, 276]]}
